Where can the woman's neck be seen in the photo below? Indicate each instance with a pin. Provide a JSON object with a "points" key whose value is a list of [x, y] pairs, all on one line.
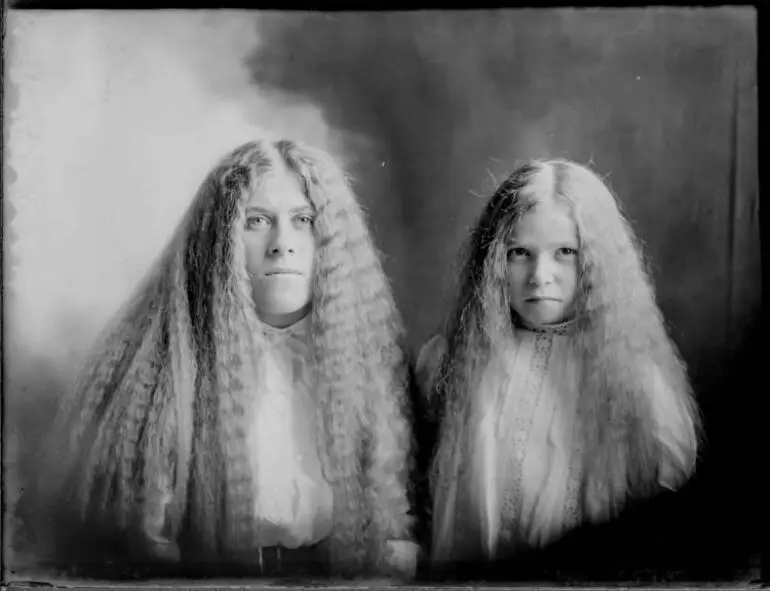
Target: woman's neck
{"points": [[284, 321]]}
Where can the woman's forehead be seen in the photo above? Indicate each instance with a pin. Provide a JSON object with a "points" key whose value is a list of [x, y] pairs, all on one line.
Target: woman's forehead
{"points": [[278, 190]]}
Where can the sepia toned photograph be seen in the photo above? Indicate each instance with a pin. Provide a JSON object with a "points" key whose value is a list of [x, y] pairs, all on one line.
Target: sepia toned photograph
{"points": [[431, 297]]}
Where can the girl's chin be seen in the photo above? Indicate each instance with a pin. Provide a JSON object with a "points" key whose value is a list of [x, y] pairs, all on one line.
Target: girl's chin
{"points": [[543, 319], [283, 316], [543, 312]]}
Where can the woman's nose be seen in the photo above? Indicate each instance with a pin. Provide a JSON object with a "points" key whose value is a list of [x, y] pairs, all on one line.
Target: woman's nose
{"points": [[281, 243], [279, 248]]}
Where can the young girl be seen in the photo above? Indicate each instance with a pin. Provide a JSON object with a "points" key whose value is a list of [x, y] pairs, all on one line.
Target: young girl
{"points": [[248, 407], [560, 396]]}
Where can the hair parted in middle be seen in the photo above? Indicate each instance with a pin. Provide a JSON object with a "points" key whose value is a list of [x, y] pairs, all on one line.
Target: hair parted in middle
{"points": [[166, 387], [619, 333]]}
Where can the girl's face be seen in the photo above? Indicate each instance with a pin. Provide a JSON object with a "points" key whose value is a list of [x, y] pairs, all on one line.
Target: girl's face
{"points": [[280, 249], [543, 264]]}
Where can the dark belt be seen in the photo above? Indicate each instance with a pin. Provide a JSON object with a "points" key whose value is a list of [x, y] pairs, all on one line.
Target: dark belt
{"points": [[276, 561]]}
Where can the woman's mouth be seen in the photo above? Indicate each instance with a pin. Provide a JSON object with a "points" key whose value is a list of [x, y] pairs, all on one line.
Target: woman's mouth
{"points": [[282, 271]]}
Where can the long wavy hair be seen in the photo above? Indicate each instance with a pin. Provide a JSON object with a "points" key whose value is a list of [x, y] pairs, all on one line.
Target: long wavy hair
{"points": [[164, 392], [620, 333]]}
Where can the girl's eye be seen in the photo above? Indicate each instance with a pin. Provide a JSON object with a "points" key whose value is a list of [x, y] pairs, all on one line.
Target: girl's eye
{"points": [[566, 251], [305, 219], [257, 221], [517, 252]]}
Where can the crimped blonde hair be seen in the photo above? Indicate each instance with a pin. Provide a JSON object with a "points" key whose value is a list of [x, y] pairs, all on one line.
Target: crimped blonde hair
{"points": [[620, 335], [165, 393]]}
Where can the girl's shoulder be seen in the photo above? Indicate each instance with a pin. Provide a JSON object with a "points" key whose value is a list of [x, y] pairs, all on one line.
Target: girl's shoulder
{"points": [[431, 351], [429, 357]]}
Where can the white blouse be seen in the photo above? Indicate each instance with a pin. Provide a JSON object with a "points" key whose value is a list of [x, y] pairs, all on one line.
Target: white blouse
{"points": [[293, 502]]}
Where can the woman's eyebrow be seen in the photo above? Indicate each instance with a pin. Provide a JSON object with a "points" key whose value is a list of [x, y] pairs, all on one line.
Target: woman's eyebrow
{"points": [[303, 209], [258, 209]]}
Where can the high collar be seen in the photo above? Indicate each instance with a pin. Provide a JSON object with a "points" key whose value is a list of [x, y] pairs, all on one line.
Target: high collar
{"points": [[300, 330], [562, 328]]}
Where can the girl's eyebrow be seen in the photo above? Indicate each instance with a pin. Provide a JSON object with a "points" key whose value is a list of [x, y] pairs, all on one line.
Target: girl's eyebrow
{"points": [[294, 211], [555, 244]]}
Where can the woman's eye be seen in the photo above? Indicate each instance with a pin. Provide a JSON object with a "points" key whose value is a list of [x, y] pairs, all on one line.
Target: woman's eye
{"points": [[517, 252], [257, 221], [305, 220], [566, 251]]}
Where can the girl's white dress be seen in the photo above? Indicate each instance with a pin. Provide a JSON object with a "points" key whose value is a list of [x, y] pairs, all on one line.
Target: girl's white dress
{"points": [[516, 481]]}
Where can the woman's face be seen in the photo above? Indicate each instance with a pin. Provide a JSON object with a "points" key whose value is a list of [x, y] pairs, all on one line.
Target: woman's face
{"points": [[280, 249], [543, 264]]}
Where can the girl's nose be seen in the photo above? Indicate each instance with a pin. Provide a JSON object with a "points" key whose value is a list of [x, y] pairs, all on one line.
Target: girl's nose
{"points": [[542, 272]]}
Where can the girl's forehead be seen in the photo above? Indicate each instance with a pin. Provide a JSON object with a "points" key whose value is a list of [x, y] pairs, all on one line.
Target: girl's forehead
{"points": [[547, 221], [278, 190]]}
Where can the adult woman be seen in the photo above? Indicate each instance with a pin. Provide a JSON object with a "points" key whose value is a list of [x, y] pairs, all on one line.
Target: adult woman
{"points": [[248, 407]]}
